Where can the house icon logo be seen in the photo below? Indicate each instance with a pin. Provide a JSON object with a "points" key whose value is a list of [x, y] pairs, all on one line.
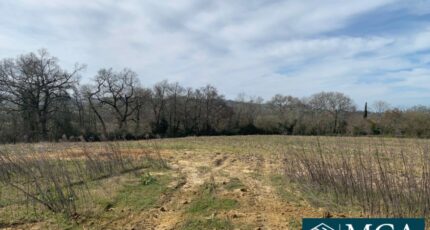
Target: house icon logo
{"points": [[322, 226]]}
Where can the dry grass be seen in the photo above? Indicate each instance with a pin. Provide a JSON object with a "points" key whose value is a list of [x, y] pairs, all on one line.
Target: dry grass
{"points": [[382, 179], [115, 183], [62, 182]]}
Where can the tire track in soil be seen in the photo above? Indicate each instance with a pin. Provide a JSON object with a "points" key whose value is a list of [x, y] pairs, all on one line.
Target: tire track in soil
{"points": [[171, 214]]}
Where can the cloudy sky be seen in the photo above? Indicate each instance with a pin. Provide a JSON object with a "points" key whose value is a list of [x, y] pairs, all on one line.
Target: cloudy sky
{"points": [[368, 49]]}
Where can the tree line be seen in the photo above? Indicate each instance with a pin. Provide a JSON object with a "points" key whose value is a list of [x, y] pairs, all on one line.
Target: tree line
{"points": [[41, 101]]}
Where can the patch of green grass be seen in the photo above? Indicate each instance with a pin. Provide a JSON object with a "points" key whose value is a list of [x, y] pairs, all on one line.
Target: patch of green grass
{"points": [[282, 188], [144, 194], [233, 184], [325, 199], [208, 202], [148, 179], [203, 224], [62, 222], [16, 215]]}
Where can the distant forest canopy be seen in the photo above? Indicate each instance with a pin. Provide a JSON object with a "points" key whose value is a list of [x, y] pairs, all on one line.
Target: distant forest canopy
{"points": [[40, 101]]}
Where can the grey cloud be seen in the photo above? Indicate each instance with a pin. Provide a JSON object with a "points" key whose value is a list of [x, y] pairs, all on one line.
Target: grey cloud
{"points": [[235, 45]]}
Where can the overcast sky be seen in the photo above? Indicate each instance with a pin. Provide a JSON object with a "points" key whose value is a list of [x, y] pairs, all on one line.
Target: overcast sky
{"points": [[368, 49]]}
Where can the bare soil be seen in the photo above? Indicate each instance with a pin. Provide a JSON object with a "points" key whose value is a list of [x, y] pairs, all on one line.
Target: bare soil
{"points": [[261, 207]]}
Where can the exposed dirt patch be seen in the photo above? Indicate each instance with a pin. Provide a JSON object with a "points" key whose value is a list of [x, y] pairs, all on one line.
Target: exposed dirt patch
{"points": [[260, 207]]}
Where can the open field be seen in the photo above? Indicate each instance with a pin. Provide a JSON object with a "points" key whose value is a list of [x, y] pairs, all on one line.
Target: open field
{"points": [[238, 182]]}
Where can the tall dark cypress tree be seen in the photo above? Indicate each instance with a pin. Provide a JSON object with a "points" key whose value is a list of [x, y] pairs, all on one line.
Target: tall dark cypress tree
{"points": [[365, 111]]}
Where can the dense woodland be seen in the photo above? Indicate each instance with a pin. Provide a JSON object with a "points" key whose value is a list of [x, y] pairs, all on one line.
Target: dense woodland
{"points": [[41, 101]]}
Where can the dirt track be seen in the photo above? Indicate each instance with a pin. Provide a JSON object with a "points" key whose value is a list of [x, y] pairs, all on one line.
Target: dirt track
{"points": [[260, 205]]}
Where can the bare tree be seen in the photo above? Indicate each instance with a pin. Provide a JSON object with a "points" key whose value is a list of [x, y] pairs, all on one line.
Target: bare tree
{"points": [[281, 104], [34, 83], [89, 94], [288, 109], [142, 97], [247, 109], [214, 109], [117, 90], [335, 103], [39, 100], [158, 102], [379, 107], [187, 110]]}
